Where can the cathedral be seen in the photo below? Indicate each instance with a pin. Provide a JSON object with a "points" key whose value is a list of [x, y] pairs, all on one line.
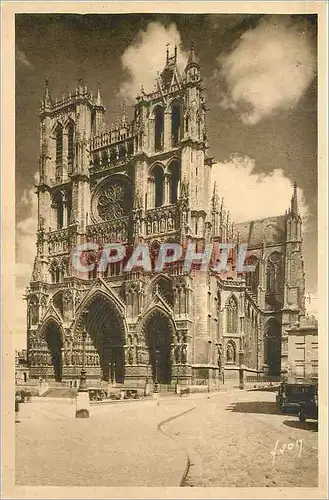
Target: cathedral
{"points": [[149, 181]]}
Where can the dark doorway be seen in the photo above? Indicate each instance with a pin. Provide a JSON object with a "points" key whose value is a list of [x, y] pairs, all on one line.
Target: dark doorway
{"points": [[53, 338], [159, 338], [272, 346]]}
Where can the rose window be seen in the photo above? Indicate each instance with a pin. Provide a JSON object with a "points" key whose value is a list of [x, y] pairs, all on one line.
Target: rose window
{"points": [[113, 201]]}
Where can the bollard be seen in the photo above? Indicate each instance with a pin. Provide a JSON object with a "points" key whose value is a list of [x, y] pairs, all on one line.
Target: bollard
{"points": [[82, 405]]}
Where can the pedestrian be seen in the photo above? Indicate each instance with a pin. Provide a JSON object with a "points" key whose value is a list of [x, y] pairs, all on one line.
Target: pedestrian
{"points": [[17, 408]]}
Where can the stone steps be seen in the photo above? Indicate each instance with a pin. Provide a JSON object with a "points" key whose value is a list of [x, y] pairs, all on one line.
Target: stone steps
{"points": [[60, 392]]}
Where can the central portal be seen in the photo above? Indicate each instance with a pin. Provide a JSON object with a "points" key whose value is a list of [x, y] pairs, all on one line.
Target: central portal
{"points": [[159, 336], [104, 324]]}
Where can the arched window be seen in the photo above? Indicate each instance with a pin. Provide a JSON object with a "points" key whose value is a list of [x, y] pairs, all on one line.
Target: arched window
{"points": [[158, 128], [159, 186], [274, 273], [70, 144], [113, 156], [55, 272], [175, 124], [59, 210], [69, 207], [65, 267], [92, 259], [232, 318], [122, 153], [252, 277], [174, 170], [105, 158], [231, 353], [59, 144]]}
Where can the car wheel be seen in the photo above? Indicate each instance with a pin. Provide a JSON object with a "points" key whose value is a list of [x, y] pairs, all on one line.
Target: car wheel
{"points": [[302, 417]]}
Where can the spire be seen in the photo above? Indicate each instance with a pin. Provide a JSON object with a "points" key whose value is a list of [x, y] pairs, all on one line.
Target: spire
{"points": [[46, 97], [192, 58], [222, 206], [98, 98], [215, 197], [81, 88], [294, 202], [167, 53], [123, 113]]}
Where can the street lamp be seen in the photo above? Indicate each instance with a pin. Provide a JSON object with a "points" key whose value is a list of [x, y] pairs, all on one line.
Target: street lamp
{"points": [[82, 401], [156, 372], [241, 369]]}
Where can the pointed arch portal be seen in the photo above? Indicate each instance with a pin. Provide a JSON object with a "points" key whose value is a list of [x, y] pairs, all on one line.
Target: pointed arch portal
{"points": [[159, 335], [53, 337], [104, 324]]}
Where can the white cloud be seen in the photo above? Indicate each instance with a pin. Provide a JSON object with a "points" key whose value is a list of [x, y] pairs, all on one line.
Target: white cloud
{"points": [[147, 55], [22, 59], [270, 68], [25, 253], [250, 195]]}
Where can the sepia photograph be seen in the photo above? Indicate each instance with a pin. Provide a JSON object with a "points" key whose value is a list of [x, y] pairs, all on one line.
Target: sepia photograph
{"points": [[165, 326]]}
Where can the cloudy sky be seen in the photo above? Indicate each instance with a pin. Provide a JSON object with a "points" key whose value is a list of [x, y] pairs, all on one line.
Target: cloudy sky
{"points": [[260, 76]]}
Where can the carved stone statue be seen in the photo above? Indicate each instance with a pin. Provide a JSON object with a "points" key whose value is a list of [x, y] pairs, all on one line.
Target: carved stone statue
{"points": [[219, 360], [130, 356], [177, 354], [230, 353], [184, 353]]}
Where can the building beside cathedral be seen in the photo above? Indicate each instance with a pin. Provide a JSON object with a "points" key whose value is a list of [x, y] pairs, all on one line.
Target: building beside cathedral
{"points": [[149, 181]]}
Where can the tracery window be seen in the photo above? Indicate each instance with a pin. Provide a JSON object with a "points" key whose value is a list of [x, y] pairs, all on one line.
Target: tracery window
{"points": [[158, 128], [232, 318], [274, 273], [175, 124], [252, 278], [113, 200], [59, 144], [174, 171], [158, 185], [70, 144], [59, 209]]}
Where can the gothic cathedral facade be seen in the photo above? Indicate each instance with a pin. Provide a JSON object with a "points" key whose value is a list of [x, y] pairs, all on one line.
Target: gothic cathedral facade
{"points": [[149, 180]]}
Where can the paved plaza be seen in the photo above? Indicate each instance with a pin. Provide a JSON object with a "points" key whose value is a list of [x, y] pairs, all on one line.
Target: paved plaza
{"points": [[233, 438]]}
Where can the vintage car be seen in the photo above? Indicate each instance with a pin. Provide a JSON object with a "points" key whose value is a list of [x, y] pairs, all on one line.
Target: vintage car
{"points": [[309, 409], [290, 396], [96, 394]]}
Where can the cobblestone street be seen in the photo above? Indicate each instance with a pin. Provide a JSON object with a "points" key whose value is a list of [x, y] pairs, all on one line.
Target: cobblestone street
{"points": [[233, 438], [239, 440]]}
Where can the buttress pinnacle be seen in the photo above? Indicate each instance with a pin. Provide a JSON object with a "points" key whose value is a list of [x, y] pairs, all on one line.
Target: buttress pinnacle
{"points": [[46, 97], [294, 202]]}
